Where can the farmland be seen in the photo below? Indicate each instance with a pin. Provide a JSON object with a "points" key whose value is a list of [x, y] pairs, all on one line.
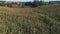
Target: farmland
{"points": [[40, 20]]}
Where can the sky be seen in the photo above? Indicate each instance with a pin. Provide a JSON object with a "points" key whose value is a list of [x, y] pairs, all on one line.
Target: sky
{"points": [[28, 0]]}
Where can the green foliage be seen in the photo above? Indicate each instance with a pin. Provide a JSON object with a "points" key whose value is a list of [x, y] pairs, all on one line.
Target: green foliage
{"points": [[2, 4]]}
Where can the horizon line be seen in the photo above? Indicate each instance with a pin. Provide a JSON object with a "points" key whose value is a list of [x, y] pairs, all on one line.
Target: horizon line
{"points": [[23, 1]]}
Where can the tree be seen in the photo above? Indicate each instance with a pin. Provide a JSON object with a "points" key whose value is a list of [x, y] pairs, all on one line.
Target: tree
{"points": [[41, 2], [36, 3]]}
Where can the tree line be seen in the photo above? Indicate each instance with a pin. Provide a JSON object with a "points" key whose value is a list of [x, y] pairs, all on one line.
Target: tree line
{"points": [[22, 4]]}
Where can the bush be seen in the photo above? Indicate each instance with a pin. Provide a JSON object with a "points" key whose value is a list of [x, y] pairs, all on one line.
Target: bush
{"points": [[9, 5], [2, 4]]}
